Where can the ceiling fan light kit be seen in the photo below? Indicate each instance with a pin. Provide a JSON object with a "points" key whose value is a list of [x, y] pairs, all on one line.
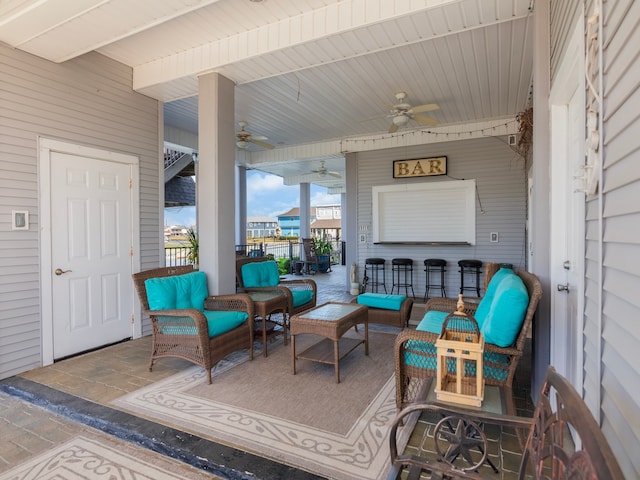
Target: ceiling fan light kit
{"points": [[400, 120]]}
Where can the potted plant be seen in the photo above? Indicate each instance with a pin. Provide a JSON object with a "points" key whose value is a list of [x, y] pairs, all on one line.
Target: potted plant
{"points": [[323, 250], [193, 255]]}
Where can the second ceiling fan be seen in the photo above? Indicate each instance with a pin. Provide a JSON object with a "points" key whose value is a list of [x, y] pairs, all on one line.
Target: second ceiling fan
{"points": [[323, 171]]}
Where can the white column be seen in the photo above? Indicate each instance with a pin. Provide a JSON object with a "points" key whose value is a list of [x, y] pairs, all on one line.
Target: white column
{"points": [[540, 236], [241, 202], [305, 207], [216, 182]]}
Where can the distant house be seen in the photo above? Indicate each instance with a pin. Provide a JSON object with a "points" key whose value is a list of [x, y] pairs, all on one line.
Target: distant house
{"points": [[325, 221], [175, 232], [258, 227], [328, 222]]}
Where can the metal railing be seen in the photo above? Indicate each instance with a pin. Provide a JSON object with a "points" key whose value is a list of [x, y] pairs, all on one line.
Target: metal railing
{"points": [[174, 256], [290, 250]]}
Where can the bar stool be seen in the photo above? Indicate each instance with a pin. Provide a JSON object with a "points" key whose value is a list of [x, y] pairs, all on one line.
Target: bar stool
{"points": [[372, 268], [402, 266], [434, 265], [472, 267]]}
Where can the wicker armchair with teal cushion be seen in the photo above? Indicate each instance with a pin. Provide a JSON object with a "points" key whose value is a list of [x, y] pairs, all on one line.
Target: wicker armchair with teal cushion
{"points": [[504, 316], [261, 274], [187, 322]]}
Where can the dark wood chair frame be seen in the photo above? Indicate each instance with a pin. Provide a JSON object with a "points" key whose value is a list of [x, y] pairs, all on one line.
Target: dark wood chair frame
{"points": [[196, 348], [564, 440]]}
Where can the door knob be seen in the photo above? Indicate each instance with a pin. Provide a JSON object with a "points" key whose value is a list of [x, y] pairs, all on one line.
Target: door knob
{"points": [[563, 288], [59, 271]]}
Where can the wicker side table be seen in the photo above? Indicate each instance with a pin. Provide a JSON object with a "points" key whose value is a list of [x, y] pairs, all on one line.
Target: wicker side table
{"points": [[264, 304], [330, 320]]}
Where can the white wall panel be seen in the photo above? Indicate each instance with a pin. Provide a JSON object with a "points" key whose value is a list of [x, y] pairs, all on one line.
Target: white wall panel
{"points": [[501, 183], [87, 101]]}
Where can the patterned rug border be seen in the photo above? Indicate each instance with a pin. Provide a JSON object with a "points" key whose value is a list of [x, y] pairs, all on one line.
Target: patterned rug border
{"points": [[360, 454], [87, 458]]}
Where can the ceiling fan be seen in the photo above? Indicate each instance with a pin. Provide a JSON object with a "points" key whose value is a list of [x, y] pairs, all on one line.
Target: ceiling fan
{"points": [[323, 172], [244, 138], [402, 112]]}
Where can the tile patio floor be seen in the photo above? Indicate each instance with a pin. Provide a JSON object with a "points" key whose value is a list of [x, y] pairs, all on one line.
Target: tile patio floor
{"points": [[46, 406]]}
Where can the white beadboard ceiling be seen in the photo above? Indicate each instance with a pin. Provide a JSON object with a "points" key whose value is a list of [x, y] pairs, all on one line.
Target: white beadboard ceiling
{"points": [[307, 72]]}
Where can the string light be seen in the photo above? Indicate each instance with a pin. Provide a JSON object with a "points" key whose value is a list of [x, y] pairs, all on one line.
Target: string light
{"points": [[401, 135]]}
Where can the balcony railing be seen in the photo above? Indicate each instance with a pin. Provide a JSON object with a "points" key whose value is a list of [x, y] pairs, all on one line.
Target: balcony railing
{"points": [[280, 250]]}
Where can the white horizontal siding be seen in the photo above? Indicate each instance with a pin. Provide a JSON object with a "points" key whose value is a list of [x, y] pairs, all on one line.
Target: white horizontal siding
{"points": [[620, 335], [87, 101], [501, 183]]}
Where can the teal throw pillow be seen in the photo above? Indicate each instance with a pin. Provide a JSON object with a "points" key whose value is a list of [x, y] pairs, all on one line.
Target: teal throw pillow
{"points": [[177, 292], [380, 300], [485, 304], [260, 274], [508, 309]]}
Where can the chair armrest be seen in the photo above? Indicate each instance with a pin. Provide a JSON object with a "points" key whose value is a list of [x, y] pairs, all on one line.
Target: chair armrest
{"points": [[239, 302], [198, 318], [300, 284], [450, 304]]}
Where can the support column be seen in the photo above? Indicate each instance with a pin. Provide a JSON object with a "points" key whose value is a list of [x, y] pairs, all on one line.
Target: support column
{"points": [[216, 182], [305, 208], [241, 202], [540, 239]]}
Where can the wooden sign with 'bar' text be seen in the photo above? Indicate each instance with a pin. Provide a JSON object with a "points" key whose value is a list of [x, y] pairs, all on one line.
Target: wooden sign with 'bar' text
{"points": [[420, 167]]}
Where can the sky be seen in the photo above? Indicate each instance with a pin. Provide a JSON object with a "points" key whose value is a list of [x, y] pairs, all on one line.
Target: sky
{"points": [[266, 197]]}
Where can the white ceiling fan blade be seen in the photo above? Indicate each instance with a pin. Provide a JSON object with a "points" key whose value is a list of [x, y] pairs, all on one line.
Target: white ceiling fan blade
{"points": [[376, 117], [425, 120], [335, 174], [260, 138], [425, 108], [262, 144]]}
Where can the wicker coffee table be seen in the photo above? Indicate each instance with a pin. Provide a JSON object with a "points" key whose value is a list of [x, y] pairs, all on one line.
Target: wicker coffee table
{"points": [[330, 320]]}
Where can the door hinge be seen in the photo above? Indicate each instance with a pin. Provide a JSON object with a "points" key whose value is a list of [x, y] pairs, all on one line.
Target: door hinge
{"points": [[130, 183], [133, 319], [131, 251]]}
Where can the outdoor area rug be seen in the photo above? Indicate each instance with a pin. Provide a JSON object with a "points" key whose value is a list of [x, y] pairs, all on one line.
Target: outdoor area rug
{"points": [[305, 420], [98, 458]]}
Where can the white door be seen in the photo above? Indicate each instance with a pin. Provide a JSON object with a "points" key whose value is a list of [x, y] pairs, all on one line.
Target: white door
{"points": [[91, 244], [568, 220]]}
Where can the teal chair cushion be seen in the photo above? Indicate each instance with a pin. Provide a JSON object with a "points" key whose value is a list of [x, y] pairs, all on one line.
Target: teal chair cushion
{"points": [[218, 322], [222, 321], [507, 312], [432, 322], [300, 297], [485, 303], [381, 300], [260, 274], [177, 291]]}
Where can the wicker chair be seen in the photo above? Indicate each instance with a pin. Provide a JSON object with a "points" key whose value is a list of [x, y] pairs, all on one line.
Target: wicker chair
{"points": [[189, 335], [284, 286], [499, 362]]}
